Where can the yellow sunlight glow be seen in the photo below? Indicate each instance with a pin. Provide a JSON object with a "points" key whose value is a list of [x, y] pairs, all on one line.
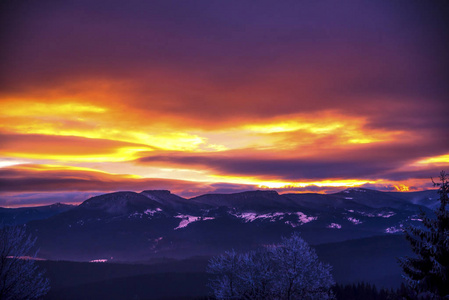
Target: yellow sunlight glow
{"points": [[34, 108], [435, 159], [272, 184], [76, 119], [47, 167], [120, 154], [167, 141], [345, 130], [9, 163], [402, 188], [293, 125]]}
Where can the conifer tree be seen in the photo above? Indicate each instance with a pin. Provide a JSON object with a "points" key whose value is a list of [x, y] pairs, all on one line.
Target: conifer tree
{"points": [[428, 274]]}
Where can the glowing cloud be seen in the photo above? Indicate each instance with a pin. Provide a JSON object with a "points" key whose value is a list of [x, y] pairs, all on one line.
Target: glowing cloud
{"points": [[280, 95]]}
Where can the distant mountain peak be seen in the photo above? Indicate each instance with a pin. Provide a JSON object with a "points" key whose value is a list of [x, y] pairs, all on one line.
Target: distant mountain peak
{"points": [[156, 192], [259, 193], [109, 197], [119, 202], [59, 204]]}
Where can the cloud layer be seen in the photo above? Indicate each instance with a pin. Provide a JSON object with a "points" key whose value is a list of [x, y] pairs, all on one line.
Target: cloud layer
{"points": [[227, 95]]}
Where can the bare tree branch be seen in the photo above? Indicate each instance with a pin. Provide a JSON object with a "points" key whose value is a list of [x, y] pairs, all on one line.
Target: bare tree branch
{"points": [[19, 276]]}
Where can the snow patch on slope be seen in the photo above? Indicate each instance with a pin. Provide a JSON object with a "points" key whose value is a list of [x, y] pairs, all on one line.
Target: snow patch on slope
{"points": [[334, 225], [101, 260], [354, 221], [394, 229], [151, 212], [148, 212], [135, 215], [187, 219], [251, 216], [276, 216], [415, 218], [383, 214], [303, 218], [386, 214]]}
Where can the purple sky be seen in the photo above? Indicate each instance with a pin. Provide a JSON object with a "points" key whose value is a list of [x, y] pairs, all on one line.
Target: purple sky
{"points": [[207, 96]]}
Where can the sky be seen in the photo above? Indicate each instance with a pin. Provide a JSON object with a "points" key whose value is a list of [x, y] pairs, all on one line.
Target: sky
{"points": [[220, 96]]}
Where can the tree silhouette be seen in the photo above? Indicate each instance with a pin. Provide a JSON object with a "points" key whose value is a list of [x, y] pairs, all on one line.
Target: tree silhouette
{"points": [[288, 270], [19, 276], [427, 275]]}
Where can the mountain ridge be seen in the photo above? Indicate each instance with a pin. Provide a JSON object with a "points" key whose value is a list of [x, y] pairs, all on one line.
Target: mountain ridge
{"points": [[22, 215], [131, 226]]}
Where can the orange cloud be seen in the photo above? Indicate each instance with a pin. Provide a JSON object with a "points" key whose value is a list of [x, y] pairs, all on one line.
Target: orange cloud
{"points": [[68, 148], [318, 100], [108, 117], [40, 178]]}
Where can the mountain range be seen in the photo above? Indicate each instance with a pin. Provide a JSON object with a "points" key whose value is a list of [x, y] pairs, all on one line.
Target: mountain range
{"points": [[154, 224]]}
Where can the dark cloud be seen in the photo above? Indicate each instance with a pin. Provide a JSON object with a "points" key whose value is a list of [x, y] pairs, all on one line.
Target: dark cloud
{"points": [[364, 162], [215, 65], [39, 178], [215, 60]]}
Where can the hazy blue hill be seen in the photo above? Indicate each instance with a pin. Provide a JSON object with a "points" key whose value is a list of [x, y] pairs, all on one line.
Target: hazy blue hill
{"points": [[371, 259], [373, 198], [22, 215], [320, 202], [429, 198], [259, 201]]}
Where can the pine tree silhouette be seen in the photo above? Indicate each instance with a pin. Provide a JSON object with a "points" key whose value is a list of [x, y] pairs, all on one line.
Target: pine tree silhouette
{"points": [[427, 275]]}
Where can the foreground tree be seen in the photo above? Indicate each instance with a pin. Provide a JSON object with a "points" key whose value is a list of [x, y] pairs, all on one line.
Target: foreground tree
{"points": [[226, 266], [19, 276], [427, 275], [299, 273], [289, 270]]}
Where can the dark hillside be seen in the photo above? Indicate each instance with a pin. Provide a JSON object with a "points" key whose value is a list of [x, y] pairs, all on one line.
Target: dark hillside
{"points": [[370, 260]]}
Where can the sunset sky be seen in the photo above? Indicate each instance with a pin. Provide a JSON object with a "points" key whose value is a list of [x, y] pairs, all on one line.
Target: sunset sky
{"points": [[220, 96]]}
